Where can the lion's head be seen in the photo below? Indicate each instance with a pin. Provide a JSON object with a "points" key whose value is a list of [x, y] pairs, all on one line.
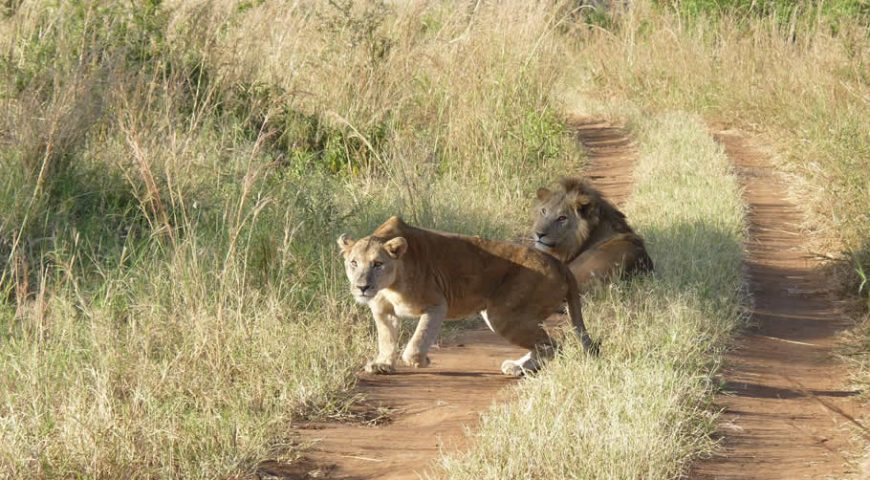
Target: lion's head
{"points": [[565, 218], [371, 264]]}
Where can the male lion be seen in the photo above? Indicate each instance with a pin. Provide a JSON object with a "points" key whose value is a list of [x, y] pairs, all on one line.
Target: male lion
{"points": [[585, 231], [404, 271]]}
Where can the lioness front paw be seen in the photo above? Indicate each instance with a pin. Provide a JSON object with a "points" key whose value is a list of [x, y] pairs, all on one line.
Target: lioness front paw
{"points": [[379, 368], [416, 360]]}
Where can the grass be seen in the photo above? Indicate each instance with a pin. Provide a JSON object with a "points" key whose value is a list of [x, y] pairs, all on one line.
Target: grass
{"points": [[792, 73], [801, 84], [173, 179], [173, 176], [640, 410]]}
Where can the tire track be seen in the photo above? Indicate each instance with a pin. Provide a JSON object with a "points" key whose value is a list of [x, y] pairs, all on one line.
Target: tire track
{"points": [[786, 414], [612, 156]]}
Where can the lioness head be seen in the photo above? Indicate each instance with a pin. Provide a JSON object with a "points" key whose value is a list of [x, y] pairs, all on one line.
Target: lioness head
{"points": [[371, 264], [564, 219]]}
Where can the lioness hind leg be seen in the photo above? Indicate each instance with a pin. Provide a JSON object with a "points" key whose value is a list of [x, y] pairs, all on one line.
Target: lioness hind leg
{"points": [[518, 367], [524, 330], [522, 326]]}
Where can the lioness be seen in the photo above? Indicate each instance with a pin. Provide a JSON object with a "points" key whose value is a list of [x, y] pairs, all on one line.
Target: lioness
{"points": [[585, 231], [404, 271]]}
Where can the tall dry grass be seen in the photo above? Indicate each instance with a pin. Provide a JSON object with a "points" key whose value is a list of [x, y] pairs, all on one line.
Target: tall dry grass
{"points": [[173, 177]]}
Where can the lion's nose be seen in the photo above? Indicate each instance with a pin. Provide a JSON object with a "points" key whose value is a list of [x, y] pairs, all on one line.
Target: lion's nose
{"points": [[540, 235], [363, 288]]}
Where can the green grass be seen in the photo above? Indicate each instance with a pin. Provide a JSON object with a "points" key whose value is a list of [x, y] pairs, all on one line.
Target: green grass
{"points": [[786, 13], [641, 409]]}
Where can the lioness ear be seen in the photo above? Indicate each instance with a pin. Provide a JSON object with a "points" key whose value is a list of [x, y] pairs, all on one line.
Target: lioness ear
{"points": [[543, 194], [396, 247], [345, 243]]}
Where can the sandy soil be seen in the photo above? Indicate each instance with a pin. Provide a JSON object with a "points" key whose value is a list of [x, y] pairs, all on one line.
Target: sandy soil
{"points": [[428, 410]]}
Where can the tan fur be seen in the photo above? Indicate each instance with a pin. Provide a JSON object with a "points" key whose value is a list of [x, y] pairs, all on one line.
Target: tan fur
{"points": [[404, 271], [577, 225]]}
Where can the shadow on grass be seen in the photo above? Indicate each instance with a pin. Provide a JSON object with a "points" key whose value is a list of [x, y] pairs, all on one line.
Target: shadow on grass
{"points": [[686, 253]]}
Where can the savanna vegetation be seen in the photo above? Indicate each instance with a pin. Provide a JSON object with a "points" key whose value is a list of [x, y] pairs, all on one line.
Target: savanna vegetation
{"points": [[173, 175]]}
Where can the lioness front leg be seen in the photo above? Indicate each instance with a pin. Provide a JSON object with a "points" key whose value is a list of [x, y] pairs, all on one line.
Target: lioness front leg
{"points": [[415, 354], [388, 339]]}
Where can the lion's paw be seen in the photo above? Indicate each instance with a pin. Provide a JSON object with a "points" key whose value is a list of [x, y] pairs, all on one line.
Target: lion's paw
{"points": [[416, 360], [379, 368], [590, 346], [512, 368]]}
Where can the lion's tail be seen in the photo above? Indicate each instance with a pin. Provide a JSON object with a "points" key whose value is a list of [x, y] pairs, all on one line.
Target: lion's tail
{"points": [[576, 315]]}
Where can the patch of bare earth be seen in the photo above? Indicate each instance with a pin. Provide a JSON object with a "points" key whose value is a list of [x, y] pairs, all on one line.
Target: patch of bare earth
{"points": [[612, 155], [787, 411], [427, 410]]}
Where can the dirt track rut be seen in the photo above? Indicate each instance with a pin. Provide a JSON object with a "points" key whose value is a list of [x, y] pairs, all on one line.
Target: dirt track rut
{"points": [[612, 155], [427, 411], [787, 414]]}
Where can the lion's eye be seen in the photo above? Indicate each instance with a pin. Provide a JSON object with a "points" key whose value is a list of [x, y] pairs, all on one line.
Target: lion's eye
{"points": [[377, 264], [562, 219], [353, 263], [543, 211]]}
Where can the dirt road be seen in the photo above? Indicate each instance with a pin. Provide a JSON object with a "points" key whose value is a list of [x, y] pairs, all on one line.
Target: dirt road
{"points": [[427, 411]]}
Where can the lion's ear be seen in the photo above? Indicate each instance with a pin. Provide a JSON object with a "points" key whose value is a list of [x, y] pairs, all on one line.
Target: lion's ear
{"points": [[345, 243], [396, 247], [543, 194], [582, 202]]}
